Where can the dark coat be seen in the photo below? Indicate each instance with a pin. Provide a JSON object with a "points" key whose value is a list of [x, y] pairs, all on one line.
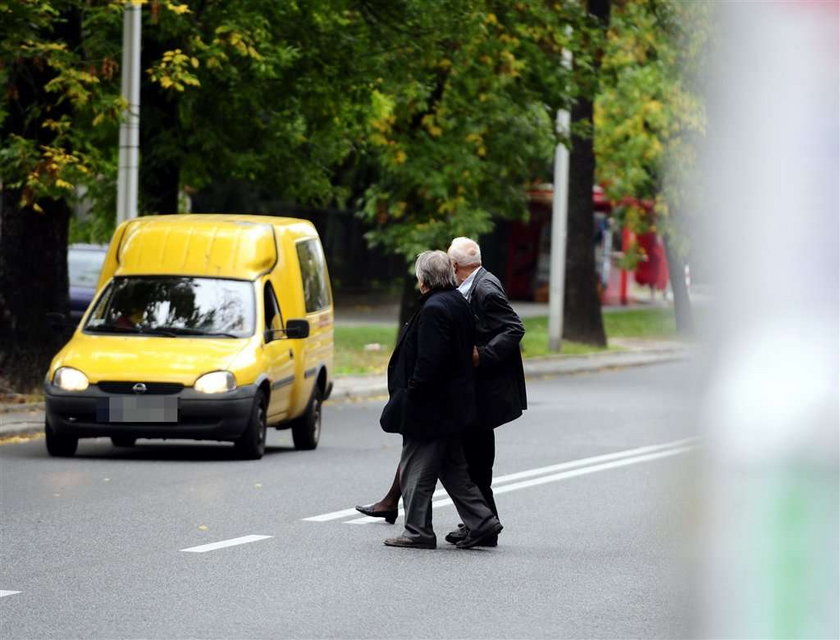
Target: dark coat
{"points": [[500, 377], [431, 379]]}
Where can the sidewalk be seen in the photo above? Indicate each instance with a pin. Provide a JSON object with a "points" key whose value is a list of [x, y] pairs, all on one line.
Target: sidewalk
{"points": [[24, 420]]}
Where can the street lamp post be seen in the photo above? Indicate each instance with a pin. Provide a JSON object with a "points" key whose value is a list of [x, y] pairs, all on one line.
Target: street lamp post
{"points": [[127, 177], [559, 223], [559, 217]]}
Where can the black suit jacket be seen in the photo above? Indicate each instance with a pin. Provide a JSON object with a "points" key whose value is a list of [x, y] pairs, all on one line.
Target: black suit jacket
{"points": [[500, 377], [431, 379]]}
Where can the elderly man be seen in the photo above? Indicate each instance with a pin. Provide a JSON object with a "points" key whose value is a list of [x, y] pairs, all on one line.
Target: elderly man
{"points": [[500, 384], [431, 403]]}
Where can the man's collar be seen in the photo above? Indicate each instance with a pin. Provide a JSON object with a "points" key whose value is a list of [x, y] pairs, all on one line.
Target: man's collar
{"points": [[466, 285]]}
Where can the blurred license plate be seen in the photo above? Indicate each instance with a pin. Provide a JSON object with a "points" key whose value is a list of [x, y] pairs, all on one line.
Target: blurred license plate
{"points": [[139, 409]]}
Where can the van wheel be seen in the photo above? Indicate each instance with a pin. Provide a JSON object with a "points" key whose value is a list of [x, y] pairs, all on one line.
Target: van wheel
{"points": [[60, 446], [306, 430], [123, 441], [251, 444]]}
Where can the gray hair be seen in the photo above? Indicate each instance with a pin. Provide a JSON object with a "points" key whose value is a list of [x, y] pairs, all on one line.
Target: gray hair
{"points": [[434, 270], [465, 252]]}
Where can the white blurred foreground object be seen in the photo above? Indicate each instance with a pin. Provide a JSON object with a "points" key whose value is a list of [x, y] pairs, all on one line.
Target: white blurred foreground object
{"points": [[771, 497]]}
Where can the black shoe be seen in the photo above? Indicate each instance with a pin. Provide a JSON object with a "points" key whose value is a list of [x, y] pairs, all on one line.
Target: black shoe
{"points": [[487, 538], [390, 515], [456, 535], [408, 543]]}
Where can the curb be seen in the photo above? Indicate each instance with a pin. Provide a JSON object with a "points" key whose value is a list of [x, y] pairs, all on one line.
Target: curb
{"points": [[28, 419], [351, 388]]}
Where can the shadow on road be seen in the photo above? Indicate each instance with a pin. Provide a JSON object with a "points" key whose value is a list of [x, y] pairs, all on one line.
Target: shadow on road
{"points": [[102, 449]]}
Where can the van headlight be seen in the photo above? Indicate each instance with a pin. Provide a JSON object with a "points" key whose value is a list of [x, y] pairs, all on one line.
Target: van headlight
{"points": [[216, 382], [70, 379]]}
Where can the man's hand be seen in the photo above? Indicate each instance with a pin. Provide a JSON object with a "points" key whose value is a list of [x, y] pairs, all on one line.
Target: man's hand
{"points": [[475, 356]]}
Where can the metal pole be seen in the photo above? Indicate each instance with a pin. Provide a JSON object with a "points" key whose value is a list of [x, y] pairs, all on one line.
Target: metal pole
{"points": [[127, 177], [559, 218]]}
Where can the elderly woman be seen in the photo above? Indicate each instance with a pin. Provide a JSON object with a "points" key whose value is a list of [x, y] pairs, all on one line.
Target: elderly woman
{"points": [[432, 403]]}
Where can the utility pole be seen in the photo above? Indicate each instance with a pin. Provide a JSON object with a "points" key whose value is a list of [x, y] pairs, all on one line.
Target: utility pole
{"points": [[129, 157], [559, 221]]}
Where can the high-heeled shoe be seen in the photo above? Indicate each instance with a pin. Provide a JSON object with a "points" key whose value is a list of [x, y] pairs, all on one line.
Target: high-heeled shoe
{"points": [[390, 515]]}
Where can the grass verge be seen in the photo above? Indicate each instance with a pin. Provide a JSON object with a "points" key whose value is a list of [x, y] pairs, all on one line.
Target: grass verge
{"points": [[366, 349]]}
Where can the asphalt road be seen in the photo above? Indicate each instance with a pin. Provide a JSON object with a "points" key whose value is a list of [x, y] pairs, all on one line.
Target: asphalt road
{"points": [[112, 543]]}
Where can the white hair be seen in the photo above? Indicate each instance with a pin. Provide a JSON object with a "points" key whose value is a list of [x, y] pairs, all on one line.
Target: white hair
{"points": [[465, 252], [434, 270]]}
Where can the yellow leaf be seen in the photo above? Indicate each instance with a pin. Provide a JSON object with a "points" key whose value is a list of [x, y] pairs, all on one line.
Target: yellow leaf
{"points": [[203, 527]]}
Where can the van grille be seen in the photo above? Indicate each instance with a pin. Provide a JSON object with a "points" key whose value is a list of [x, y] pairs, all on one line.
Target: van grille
{"points": [[152, 388]]}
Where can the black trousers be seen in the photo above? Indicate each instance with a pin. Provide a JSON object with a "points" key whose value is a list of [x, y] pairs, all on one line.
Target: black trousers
{"points": [[480, 453]]}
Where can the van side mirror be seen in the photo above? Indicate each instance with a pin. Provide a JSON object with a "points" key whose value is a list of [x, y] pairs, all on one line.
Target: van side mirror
{"points": [[296, 329]]}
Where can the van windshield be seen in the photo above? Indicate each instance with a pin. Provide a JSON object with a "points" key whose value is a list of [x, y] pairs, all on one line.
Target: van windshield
{"points": [[175, 306]]}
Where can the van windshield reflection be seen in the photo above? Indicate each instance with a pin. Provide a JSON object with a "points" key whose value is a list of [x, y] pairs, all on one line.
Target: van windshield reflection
{"points": [[175, 306]]}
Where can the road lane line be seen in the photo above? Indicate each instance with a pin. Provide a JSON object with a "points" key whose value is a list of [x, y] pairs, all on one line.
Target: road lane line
{"points": [[594, 460], [576, 472], [3, 594], [204, 548], [336, 515], [596, 463]]}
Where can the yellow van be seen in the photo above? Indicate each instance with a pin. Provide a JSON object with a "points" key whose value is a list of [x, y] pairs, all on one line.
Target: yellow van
{"points": [[205, 327]]}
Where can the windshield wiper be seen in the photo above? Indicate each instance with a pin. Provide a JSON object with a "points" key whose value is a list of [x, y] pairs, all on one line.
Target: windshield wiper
{"points": [[186, 331], [112, 328]]}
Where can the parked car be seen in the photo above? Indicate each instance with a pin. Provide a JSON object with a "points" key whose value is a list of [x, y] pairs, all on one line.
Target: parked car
{"points": [[84, 263], [204, 326]]}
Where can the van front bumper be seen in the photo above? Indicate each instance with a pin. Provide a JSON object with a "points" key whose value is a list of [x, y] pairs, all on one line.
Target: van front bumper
{"points": [[188, 415]]}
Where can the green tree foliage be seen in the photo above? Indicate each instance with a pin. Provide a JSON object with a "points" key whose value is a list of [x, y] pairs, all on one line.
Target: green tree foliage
{"points": [[647, 114], [648, 118], [257, 90], [61, 101], [462, 117]]}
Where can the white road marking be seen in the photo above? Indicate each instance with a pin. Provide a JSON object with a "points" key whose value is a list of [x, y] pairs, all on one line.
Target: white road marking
{"points": [[3, 594], [204, 548], [335, 515], [591, 465], [550, 478], [576, 472]]}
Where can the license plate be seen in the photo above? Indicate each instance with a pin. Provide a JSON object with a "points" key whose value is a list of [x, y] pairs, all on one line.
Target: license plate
{"points": [[139, 409]]}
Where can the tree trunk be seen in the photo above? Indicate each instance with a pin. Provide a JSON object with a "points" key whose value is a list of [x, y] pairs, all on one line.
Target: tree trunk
{"points": [[33, 283], [409, 298], [682, 304], [582, 320], [160, 141]]}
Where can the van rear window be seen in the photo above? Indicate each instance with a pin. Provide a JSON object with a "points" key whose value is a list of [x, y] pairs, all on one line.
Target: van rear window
{"points": [[313, 270]]}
